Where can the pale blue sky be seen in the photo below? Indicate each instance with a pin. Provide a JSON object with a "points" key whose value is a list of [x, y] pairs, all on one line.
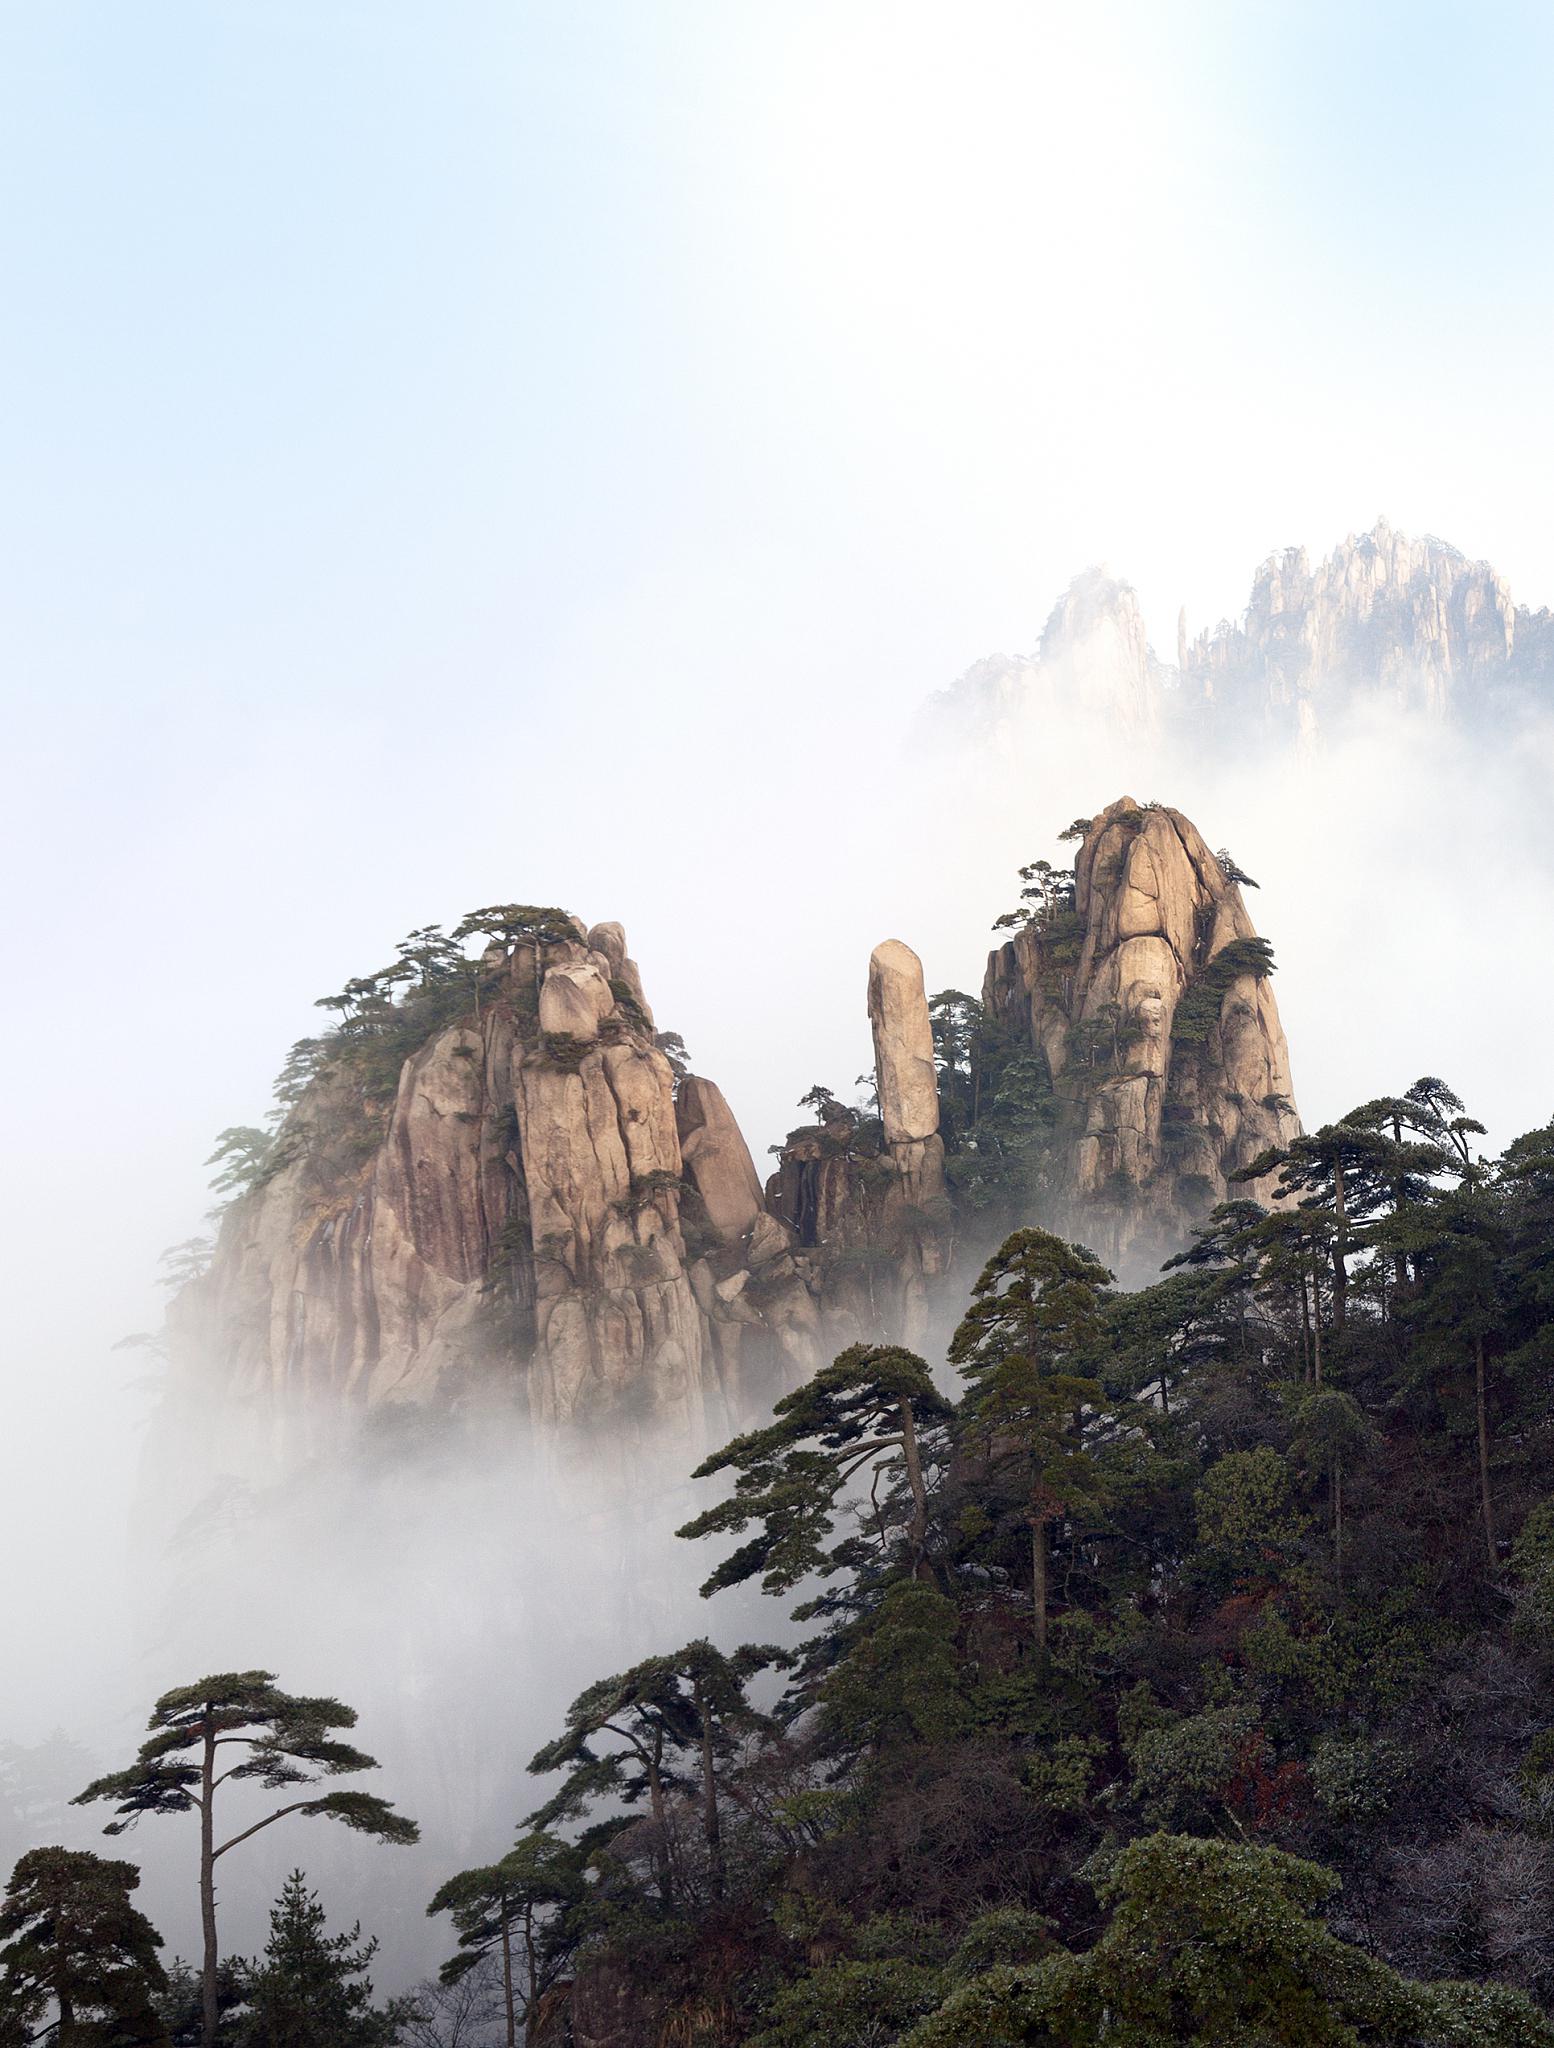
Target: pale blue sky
{"points": [[464, 451]]}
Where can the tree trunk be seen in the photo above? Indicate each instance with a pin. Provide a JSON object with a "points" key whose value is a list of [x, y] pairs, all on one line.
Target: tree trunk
{"points": [[1340, 1251], [914, 1473], [1338, 1523], [1305, 1331], [1399, 1258], [208, 1882], [531, 2012], [709, 1798], [1483, 1448], [507, 1976], [661, 1823], [1039, 1579], [1316, 1316]]}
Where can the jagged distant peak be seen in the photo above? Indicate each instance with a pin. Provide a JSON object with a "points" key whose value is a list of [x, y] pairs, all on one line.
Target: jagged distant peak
{"points": [[1413, 619], [1094, 600]]}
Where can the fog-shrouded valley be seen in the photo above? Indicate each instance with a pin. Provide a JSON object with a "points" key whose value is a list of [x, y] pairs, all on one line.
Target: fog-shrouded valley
{"points": [[503, 1263]]}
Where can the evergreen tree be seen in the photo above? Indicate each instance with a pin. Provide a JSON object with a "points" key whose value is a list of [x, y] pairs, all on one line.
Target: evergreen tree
{"points": [[674, 1715], [311, 1988], [520, 1900], [76, 1956], [873, 1409], [1214, 1943], [1026, 1347], [280, 1740]]}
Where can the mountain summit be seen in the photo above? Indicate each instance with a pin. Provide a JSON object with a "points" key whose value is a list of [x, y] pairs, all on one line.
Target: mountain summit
{"points": [[1411, 623]]}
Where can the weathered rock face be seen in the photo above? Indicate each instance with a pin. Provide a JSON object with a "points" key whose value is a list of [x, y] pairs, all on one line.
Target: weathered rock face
{"points": [[511, 1219], [1154, 1015], [1413, 620], [903, 1044], [537, 1211], [541, 1213], [869, 1209]]}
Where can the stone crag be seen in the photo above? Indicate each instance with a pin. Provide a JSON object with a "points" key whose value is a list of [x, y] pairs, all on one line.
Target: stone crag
{"points": [[1149, 1003], [539, 1210], [542, 1212]]}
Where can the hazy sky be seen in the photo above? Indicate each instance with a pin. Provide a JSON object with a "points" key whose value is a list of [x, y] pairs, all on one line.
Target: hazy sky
{"points": [[483, 451]]}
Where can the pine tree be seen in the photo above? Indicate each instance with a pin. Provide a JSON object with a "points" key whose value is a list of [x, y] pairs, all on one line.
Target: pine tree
{"points": [[1026, 1346], [311, 1990], [76, 1955], [674, 1715], [873, 1409], [518, 1902], [283, 1739]]}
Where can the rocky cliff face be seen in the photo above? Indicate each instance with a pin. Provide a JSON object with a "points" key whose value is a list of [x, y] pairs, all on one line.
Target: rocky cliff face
{"points": [[1413, 623], [865, 1200], [518, 1199], [1412, 620], [1149, 1004], [538, 1210]]}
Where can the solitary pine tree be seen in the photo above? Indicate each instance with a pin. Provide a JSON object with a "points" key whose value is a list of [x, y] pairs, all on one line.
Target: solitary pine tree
{"points": [[280, 1740]]}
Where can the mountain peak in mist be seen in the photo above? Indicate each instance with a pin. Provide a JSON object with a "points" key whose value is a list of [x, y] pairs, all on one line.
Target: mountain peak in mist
{"points": [[1413, 624]]}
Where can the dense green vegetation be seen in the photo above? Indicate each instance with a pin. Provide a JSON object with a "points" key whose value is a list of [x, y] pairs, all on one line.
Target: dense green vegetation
{"points": [[1183, 1678]]}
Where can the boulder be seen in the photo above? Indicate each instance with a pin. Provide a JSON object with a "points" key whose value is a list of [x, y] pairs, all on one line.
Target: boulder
{"points": [[575, 999], [716, 1158]]}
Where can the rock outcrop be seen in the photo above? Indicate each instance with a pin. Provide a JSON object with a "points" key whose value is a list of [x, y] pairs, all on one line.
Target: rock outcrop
{"points": [[498, 1187], [511, 1217], [538, 1210], [1093, 663], [1149, 1006], [1411, 620], [865, 1198]]}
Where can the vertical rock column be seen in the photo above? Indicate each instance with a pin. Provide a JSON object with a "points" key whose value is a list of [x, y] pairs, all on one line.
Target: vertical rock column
{"points": [[908, 1085]]}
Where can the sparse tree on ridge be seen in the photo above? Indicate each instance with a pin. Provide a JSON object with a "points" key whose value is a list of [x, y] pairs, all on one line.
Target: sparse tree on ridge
{"points": [[280, 1740]]}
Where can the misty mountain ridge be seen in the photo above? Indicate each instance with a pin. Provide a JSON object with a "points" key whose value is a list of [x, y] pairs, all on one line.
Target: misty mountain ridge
{"points": [[1410, 624]]}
